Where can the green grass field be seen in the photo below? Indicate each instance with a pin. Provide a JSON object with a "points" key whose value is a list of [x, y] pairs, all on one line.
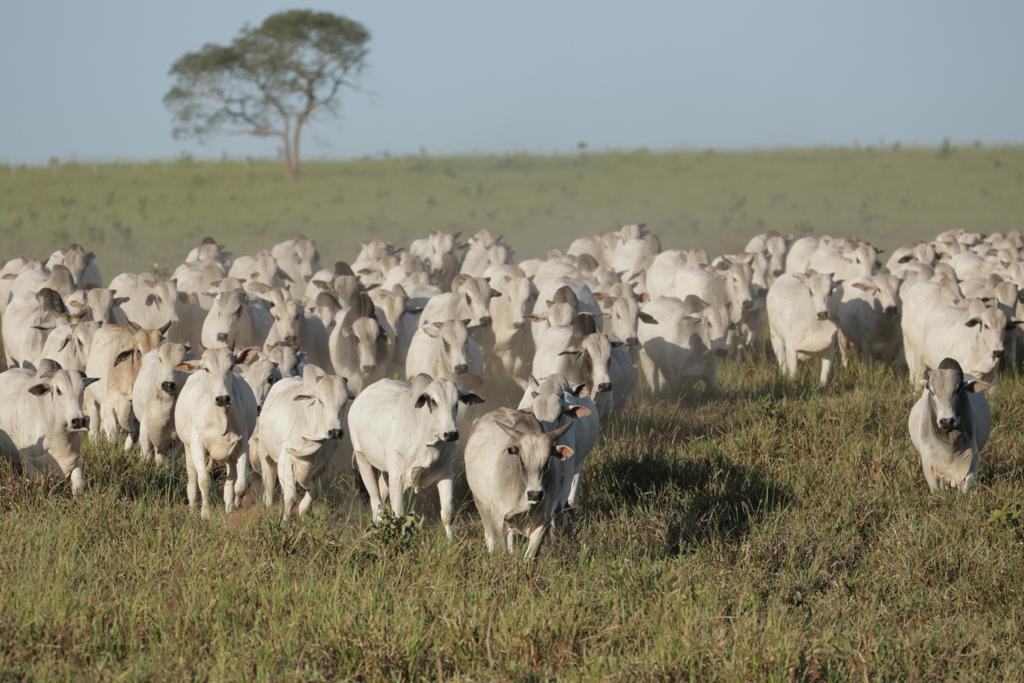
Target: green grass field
{"points": [[135, 215], [775, 532]]}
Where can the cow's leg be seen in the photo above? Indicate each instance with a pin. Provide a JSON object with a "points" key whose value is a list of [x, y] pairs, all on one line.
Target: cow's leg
{"points": [[145, 445], [842, 342], [510, 541], [92, 409], [77, 480], [650, 371], [287, 479], [492, 528], [193, 486], [312, 494], [826, 363], [574, 487], [536, 537], [229, 485], [395, 496], [108, 420], [369, 478], [269, 470], [445, 493], [929, 476], [778, 348], [242, 480], [792, 360], [199, 464]]}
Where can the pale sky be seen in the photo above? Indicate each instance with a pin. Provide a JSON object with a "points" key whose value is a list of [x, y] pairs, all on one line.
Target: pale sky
{"points": [[84, 79]]}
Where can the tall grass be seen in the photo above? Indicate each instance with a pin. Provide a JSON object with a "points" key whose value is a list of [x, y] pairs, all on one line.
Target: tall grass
{"points": [[776, 531]]}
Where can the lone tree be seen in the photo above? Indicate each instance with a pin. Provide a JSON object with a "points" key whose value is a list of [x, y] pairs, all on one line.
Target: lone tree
{"points": [[270, 81]]}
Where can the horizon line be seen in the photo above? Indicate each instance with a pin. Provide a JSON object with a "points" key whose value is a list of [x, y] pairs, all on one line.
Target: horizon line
{"points": [[580, 152]]}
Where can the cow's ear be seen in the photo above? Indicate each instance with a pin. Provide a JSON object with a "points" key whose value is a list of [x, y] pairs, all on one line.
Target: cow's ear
{"points": [[469, 398], [577, 412], [38, 389], [303, 397], [647, 318], [423, 400], [864, 286], [163, 329], [123, 356], [86, 381], [976, 386], [571, 352], [973, 322], [246, 355], [564, 452], [495, 293], [577, 390]]}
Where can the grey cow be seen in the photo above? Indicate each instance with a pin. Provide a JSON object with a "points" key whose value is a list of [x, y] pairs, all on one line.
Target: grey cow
{"points": [[949, 425]]}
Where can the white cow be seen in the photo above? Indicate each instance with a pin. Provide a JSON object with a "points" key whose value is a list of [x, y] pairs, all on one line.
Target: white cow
{"points": [[440, 251], [115, 360], [360, 348], [299, 433], [41, 421], [27, 323], [513, 347], [445, 351], [293, 327], [555, 402], [949, 425], [802, 321], [406, 433], [299, 259], [868, 310], [260, 268], [469, 300], [937, 326], [215, 416], [680, 343], [161, 376], [233, 321], [509, 469], [69, 344], [80, 263]]}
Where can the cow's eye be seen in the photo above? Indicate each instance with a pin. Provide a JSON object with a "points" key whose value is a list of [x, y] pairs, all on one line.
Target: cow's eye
{"points": [[60, 393], [513, 450]]}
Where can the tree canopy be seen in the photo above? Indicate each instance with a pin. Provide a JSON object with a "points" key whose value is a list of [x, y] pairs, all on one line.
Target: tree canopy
{"points": [[270, 80]]}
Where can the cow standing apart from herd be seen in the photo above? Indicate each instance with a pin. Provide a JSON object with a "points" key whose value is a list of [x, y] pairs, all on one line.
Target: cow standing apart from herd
{"points": [[264, 362]]}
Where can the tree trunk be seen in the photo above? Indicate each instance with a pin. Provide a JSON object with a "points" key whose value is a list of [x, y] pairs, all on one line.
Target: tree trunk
{"points": [[291, 167], [293, 170]]}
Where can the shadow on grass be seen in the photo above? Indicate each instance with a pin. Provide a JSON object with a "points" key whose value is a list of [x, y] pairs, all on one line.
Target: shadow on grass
{"points": [[711, 500]]}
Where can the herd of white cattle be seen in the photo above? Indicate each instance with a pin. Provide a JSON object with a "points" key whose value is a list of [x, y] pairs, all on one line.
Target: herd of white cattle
{"points": [[261, 362]]}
